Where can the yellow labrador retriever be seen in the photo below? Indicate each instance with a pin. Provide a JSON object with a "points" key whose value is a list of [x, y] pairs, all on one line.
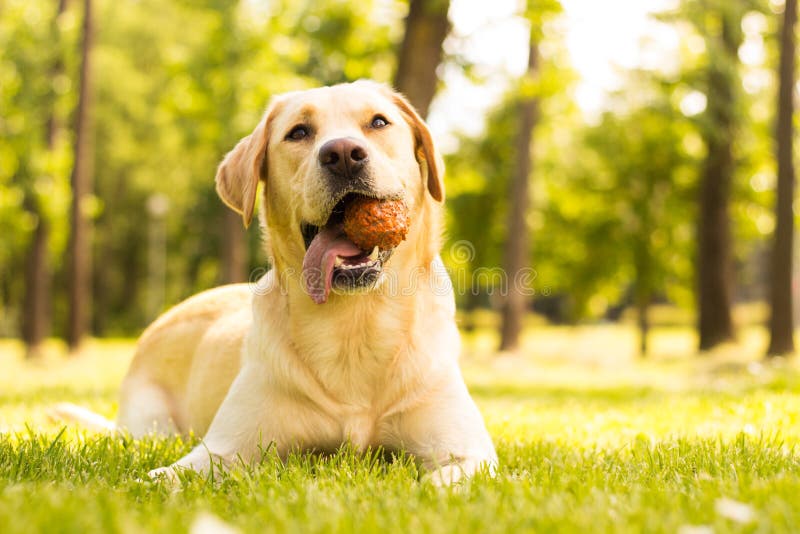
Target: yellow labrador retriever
{"points": [[364, 350]]}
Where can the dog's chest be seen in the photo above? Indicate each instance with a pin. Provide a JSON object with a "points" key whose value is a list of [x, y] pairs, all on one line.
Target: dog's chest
{"points": [[358, 429], [355, 372]]}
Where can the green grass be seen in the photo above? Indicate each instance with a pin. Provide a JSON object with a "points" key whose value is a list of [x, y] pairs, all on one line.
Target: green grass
{"points": [[589, 440]]}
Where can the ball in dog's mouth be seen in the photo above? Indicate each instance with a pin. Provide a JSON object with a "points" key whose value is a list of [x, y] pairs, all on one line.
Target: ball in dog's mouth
{"points": [[334, 261]]}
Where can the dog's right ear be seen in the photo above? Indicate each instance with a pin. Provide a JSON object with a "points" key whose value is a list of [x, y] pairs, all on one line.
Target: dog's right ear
{"points": [[239, 173]]}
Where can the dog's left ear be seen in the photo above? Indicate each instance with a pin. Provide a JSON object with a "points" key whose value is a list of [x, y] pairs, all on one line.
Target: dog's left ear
{"points": [[239, 173], [425, 147]]}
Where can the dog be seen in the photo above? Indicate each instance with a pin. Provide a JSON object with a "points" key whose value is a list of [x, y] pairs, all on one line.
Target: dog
{"points": [[366, 352]]}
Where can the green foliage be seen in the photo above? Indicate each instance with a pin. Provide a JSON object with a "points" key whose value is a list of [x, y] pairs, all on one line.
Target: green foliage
{"points": [[33, 44], [637, 188], [614, 200], [478, 173], [177, 84], [722, 28]]}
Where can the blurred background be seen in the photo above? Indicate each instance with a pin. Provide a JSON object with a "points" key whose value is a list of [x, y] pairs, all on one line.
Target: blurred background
{"points": [[632, 159]]}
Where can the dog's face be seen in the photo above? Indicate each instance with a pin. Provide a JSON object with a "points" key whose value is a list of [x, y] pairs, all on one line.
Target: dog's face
{"points": [[316, 150]]}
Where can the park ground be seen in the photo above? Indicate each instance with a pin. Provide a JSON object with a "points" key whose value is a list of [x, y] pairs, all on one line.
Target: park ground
{"points": [[590, 439]]}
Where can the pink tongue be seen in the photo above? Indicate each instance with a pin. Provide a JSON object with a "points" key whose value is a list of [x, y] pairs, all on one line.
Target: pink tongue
{"points": [[320, 257]]}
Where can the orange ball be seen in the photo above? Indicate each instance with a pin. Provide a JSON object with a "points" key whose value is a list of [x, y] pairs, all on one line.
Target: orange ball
{"points": [[370, 222]]}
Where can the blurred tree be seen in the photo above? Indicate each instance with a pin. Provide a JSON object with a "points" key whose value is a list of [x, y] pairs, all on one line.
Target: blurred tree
{"points": [[233, 261], [37, 298], [732, 121], [781, 325], [227, 58], [517, 243], [645, 175], [162, 133], [481, 173], [517, 248], [167, 105], [80, 254], [721, 25], [33, 173], [477, 205], [426, 27]]}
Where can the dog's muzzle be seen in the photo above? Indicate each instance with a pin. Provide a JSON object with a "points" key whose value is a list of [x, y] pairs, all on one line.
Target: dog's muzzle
{"points": [[333, 261]]}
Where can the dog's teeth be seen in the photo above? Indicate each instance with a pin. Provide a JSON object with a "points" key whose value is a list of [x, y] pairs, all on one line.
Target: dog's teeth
{"points": [[371, 259]]}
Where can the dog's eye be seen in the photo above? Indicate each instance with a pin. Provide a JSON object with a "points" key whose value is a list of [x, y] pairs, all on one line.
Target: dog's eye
{"points": [[378, 122], [298, 133]]}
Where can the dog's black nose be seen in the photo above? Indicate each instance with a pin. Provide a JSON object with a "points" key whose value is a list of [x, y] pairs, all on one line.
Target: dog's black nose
{"points": [[344, 157]]}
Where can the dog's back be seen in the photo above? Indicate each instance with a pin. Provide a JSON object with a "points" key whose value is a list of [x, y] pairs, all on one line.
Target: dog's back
{"points": [[184, 365], [196, 343]]}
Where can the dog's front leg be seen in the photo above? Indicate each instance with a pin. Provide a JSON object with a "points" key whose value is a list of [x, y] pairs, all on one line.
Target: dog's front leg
{"points": [[447, 434], [248, 420]]}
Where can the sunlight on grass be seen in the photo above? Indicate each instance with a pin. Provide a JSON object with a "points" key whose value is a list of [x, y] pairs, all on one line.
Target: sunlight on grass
{"points": [[28, 388], [590, 438]]}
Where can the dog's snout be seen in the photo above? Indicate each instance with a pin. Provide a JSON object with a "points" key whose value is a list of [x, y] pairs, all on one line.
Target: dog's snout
{"points": [[344, 157]]}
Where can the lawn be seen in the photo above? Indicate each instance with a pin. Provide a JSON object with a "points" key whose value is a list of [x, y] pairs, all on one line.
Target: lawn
{"points": [[589, 438]]}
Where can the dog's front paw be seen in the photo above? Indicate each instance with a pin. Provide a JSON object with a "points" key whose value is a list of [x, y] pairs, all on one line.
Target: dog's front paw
{"points": [[460, 471], [447, 475], [167, 474]]}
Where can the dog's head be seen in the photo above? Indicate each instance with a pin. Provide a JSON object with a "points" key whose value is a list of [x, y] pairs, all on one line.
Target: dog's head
{"points": [[315, 151]]}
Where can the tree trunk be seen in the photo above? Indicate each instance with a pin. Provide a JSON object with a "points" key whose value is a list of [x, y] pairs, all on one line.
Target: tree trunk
{"points": [[643, 289], [517, 246], [80, 239], [233, 267], [715, 266], [36, 305], [427, 26], [35, 311], [471, 304], [234, 257], [781, 323], [643, 322]]}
